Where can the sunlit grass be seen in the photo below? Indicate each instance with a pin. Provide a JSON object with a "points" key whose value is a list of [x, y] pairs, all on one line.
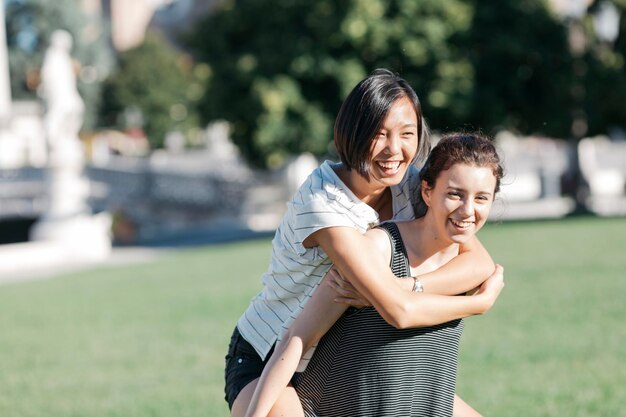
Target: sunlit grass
{"points": [[554, 343], [149, 340]]}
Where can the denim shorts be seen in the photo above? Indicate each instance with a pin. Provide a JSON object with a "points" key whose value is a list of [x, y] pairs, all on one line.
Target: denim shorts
{"points": [[243, 365]]}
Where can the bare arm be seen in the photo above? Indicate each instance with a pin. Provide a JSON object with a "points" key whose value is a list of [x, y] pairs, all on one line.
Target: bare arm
{"points": [[462, 273], [358, 259], [319, 314]]}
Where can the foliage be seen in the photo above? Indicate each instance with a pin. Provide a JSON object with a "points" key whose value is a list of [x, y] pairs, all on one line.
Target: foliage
{"points": [[603, 76], [280, 79], [522, 67], [29, 24], [147, 340], [154, 88]]}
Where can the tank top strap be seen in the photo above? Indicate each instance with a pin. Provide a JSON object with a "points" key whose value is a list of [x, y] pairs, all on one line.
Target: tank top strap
{"points": [[399, 258]]}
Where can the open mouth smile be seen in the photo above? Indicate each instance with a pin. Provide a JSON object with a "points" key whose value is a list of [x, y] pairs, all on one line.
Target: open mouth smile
{"points": [[389, 167], [461, 224]]}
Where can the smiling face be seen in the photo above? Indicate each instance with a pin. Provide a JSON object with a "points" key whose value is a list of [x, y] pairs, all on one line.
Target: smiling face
{"points": [[460, 201], [395, 145]]}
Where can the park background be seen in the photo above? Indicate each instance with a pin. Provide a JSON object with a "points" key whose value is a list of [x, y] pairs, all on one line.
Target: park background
{"points": [[201, 117]]}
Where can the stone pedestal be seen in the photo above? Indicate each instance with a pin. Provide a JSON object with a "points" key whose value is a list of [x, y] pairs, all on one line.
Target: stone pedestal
{"points": [[83, 236]]}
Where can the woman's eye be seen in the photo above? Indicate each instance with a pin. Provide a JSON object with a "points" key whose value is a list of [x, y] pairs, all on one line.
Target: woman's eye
{"points": [[454, 194]]}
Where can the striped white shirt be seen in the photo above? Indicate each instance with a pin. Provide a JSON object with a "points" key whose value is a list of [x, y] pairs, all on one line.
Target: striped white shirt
{"points": [[294, 272]]}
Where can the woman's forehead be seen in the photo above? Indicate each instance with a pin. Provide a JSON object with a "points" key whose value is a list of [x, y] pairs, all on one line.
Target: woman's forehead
{"points": [[468, 176]]}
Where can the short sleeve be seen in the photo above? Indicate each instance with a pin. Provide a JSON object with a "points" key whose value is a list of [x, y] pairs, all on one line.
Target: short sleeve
{"points": [[317, 214]]}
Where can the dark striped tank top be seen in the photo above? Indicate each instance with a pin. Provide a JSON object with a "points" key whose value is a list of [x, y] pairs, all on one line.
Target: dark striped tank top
{"points": [[364, 367]]}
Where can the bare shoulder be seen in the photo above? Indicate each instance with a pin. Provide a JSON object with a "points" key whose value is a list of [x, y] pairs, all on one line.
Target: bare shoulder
{"points": [[379, 239]]}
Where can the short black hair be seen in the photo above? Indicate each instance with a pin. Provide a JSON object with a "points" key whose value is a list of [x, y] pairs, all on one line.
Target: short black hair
{"points": [[363, 112]]}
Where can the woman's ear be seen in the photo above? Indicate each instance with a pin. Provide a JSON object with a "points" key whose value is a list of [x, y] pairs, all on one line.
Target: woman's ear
{"points": [[426, 192]]}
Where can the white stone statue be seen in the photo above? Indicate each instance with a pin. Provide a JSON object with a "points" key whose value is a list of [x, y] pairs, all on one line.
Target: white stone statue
{"points": [[64, 113], [68, 219], [62, 122]]}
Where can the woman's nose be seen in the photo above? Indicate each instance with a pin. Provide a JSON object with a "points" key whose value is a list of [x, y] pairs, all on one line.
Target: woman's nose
{"points": [[393, 144], [467, 208]]}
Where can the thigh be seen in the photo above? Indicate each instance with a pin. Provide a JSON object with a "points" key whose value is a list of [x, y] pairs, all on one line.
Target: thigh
{"points": [[288, 404], [243, 365], [243, 369], [243, 400]]}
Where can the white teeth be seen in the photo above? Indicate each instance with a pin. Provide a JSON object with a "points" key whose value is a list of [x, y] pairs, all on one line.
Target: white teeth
{"points": [[389, 165], [461, 224]]}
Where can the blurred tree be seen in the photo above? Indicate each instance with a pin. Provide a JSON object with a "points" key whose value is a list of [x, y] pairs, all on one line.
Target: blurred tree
{"points": [[620, 42], [604, 76], [523, 69], [29, 24], [154, 88], [280, 69]]}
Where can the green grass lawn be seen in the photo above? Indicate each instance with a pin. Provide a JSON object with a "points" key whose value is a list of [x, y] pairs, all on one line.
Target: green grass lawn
{"points": [[149, 340]]}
